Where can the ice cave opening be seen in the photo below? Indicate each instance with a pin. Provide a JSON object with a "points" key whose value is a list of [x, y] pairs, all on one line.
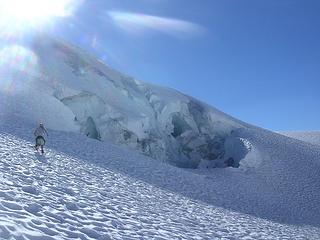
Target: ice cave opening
{"points": [[90, 129]]}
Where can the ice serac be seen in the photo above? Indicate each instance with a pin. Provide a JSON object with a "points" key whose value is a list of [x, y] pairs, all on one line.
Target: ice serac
{"points": [[110, 106]]}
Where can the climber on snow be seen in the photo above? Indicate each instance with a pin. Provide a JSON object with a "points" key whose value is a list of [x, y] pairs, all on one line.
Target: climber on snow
{"points": [[40, 133]]}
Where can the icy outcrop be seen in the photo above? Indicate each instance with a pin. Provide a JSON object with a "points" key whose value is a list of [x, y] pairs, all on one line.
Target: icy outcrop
{"points": [[109, 106], [236, 149]]}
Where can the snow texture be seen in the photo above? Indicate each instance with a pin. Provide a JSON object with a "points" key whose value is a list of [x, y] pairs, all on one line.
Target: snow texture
{"points": [[86, 189], [310, 137]]}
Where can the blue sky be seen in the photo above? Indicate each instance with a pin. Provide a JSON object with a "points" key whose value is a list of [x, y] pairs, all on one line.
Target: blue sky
{"points": [[256, 60]]}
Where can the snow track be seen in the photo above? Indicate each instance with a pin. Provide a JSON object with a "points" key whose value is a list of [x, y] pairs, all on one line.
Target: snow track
{"points": [[65, 196]]}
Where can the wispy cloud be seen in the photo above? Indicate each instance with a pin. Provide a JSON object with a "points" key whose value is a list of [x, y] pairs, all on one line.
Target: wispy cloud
{"points": [[140, 23]]}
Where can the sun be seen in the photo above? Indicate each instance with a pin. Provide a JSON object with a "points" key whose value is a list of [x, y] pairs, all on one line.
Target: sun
{"points": [[34, 12]]}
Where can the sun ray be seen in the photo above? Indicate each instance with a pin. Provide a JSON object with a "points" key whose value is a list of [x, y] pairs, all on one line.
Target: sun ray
{"points": [[18, 14]]}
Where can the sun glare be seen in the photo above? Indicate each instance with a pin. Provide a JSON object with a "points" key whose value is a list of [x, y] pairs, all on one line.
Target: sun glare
{"points": [[34, 12]]}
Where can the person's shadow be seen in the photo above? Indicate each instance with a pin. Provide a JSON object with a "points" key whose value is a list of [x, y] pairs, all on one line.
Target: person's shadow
{"points": [[41, 157]]}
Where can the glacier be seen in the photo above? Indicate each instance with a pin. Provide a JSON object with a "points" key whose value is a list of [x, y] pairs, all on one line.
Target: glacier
{"points": [[101, 103]]}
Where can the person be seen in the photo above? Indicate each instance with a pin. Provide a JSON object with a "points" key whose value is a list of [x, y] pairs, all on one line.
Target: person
{"points": [[40, 133]]}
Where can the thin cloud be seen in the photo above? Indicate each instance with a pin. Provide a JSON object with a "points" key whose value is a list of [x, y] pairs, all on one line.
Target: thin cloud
{"points": [[140, 23]]}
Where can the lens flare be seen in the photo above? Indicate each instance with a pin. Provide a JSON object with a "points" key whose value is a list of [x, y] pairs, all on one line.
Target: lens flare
{"points": [[18, 57], [17, 65]]}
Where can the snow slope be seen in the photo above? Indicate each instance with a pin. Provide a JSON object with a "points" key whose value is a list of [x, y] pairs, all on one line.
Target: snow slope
{"points": [[84, 189], [310, 137]]}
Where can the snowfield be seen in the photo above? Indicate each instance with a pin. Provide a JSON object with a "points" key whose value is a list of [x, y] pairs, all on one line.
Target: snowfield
{"points": [[129, 160], [85, 189], [310, 137]]}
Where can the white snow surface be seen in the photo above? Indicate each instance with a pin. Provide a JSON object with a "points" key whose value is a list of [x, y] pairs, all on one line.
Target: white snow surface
{"points": [[306, 136], [85, 189]]}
